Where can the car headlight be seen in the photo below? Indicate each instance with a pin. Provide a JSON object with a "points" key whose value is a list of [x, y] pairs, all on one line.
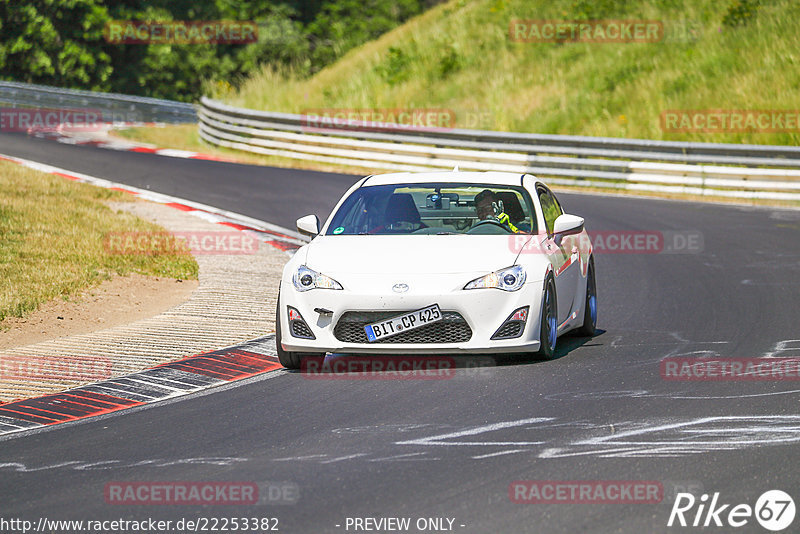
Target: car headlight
{"points": [[508, 279], [305, 279]]}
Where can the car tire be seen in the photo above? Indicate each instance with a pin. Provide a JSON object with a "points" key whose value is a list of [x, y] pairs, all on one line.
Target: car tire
{"points": [[548, 323], [290, 360], [590, 306]]}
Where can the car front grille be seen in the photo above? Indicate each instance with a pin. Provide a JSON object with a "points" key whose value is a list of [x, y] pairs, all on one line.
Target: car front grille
{"points": [[451, 329]]}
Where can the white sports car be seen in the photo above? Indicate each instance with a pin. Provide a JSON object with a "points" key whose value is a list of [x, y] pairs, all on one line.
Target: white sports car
{"points": [[438, 263]]}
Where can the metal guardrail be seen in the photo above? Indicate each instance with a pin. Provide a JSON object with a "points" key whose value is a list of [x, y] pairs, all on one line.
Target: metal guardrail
{"points": [[739, 171], [116, 108]]}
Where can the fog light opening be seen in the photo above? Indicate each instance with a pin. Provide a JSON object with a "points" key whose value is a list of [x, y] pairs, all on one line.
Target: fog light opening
{"points": [[514, 325], [298, 326]]}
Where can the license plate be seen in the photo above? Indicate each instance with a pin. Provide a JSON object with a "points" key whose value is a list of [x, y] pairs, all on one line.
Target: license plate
{"points": [[403, 323]]}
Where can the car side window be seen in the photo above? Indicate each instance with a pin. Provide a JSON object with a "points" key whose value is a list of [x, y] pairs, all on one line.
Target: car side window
{"points": [[558, 204], [550, 208]]}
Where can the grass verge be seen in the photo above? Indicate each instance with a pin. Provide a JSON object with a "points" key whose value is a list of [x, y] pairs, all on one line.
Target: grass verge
{"points": [[52, 234]]}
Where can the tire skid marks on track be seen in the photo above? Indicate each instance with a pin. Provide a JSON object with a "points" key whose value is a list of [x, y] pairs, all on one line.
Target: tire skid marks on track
{"points": [[165, 381], [106, 465], [669, 437]]}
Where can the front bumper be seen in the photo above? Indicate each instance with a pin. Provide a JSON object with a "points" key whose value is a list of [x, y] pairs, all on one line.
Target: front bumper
{"points": [[484, 310]]}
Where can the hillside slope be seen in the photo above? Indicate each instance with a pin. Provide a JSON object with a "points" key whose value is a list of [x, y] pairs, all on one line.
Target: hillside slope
{"points": [[714, 55]]}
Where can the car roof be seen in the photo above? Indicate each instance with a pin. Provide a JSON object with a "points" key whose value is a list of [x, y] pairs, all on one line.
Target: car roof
{"points": [[489, 177]]}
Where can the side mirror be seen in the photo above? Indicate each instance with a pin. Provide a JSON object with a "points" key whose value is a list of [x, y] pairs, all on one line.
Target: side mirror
{"points": [[566, 225], [309, 225]]}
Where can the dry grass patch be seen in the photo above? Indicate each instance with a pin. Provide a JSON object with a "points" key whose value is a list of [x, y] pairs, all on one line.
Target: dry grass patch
{"points": [[52, 235]]}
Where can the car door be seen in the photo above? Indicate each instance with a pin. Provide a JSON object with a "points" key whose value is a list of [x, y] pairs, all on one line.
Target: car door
{"points": [[563, 257]]}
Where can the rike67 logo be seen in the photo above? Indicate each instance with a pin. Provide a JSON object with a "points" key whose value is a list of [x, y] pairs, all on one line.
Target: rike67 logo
{"points": [[774, 510]]}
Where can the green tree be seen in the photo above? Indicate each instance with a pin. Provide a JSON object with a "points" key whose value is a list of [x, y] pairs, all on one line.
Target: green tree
{"points": [[61, 42], [55, 42]]}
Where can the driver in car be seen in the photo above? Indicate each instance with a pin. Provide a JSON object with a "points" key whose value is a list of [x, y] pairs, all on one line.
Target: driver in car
{"points": [[489, 206]]}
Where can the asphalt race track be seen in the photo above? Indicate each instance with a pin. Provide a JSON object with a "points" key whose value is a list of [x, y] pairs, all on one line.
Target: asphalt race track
{"points": [[451, 448], [270, 194]]}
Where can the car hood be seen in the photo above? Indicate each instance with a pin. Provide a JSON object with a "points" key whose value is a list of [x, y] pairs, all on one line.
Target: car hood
{"points": [[409, 254]]}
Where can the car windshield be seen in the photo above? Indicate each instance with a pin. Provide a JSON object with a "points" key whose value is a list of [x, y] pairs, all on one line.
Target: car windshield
{"points": [[434, 208]]}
